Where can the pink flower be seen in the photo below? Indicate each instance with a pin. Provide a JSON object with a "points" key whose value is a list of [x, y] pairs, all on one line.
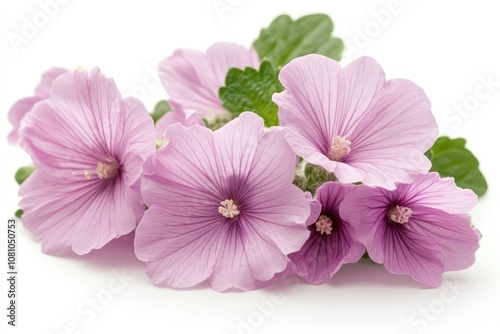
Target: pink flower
{"points": [[88, 144], [23, 106], [420, 229], [192, 78], [177, 115], [222, 207], [332, 239], [354, 123]]}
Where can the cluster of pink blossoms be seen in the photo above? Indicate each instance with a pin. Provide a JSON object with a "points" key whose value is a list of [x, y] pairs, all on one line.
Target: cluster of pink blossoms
{"points": [[220, 206]]}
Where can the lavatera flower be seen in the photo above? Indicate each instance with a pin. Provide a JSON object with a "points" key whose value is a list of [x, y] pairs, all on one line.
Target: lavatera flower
{"points": [[420, 229], [23, 106], [332, 240], [354, 123], [177, 115], [222, 207], [88, 144], [192, 79]]}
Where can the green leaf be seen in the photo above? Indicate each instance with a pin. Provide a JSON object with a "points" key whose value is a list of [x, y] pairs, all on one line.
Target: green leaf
{"points": [[161, 109], [252, 90], [19, 213], [444, 143], [286, 39], [23, 173], [449, 157], [314, 177], [475, 181]]}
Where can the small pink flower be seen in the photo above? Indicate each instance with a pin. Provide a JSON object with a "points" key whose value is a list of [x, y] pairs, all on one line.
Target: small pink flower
{"points": [[222, 207], [332, 241], [88, 144], [192, 78], [421, 229], [23, 106], [177, 115], [354, 123]]}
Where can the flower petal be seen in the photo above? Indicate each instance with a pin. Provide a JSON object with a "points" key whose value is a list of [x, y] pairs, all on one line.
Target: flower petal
{"points": [[55, 145], [403, 251], [388, 144], [85, 122], [233, 269], [186, 76], [17, 113], [268, 192], [180, 250], [428, 190], [323, 255], [178, 115], [48, 77], [306, 106], [321, 101], [193, 79], [134, 130], [364, 208], [240, 144], [359, 84], [23, 106], [315, 207], [223, 158], [98, 100], [267, 245], [454, 234], [108, 214], [281, 217], [83, 215], [51, 221], [331, 195], [223, 56], [272, 166]]}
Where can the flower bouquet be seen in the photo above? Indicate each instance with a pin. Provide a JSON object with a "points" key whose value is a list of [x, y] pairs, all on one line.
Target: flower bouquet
{"points": [[265, 162]]}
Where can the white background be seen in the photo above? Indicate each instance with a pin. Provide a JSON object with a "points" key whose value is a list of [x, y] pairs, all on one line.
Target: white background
{"points": [[446, 47]]}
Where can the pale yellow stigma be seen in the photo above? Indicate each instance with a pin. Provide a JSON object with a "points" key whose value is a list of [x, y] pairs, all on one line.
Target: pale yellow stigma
{"points": [[228, 209], [400, 214], [161, 142], [324, 225], [103, 170], [339, 149]]}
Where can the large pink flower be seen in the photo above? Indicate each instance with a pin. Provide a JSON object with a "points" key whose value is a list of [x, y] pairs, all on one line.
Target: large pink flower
{"points": [[192, 78], [222, 206], [88, 144], [23, 106], [421, 229], [354, 123], [332, 241]]}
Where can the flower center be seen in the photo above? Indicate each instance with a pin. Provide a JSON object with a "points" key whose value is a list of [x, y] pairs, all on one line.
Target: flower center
{"points": [[161, 140], [340, 149], [160, 143], [400, 214], [228, 209], [104, 170], [324, 225]]}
